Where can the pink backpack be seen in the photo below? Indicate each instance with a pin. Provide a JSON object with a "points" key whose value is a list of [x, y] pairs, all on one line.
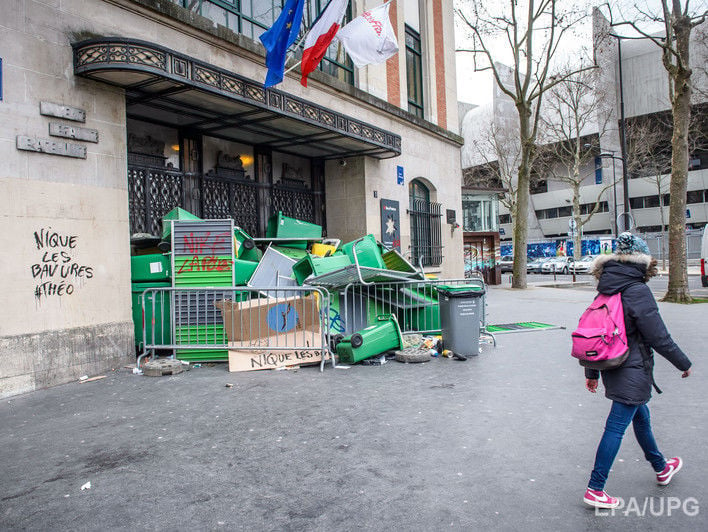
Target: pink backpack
{"points": [[600, 341]]}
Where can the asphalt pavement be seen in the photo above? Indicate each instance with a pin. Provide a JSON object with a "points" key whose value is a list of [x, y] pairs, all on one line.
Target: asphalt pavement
{"points": [[503, 441]]}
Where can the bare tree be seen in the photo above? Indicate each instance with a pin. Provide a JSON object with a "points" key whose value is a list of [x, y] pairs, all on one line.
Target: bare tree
{"points": [[649, 153], [576, 111], [649, 156], [675, 42], [496, 148], [533, 32]]}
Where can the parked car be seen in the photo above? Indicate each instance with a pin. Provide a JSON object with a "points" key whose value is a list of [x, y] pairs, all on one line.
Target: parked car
{"points": [[534, 266], [506, 263], [558, 265], [583, 264]]}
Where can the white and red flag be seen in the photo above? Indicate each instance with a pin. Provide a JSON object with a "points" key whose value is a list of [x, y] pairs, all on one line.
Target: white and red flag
{"points": [[369, 38], [320, 36]]}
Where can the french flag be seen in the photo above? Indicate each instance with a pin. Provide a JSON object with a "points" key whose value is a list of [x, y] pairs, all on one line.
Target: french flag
{"points": [[320, 36]]}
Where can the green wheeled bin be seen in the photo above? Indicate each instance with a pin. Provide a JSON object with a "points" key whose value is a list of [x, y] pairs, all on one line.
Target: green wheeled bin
{"points": [[374, 340], [245, 246], [281, 226]]}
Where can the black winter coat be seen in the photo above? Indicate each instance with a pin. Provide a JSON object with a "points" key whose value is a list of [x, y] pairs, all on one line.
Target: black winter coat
{"points": [[631, 383]]}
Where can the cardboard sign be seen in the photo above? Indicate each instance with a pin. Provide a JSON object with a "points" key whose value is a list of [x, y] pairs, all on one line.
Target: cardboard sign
{"points": [[252, 360], [255, 327], [265, 318]]}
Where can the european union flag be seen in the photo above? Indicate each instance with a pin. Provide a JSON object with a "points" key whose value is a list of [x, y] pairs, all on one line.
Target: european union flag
{"points": [[279, 38]]}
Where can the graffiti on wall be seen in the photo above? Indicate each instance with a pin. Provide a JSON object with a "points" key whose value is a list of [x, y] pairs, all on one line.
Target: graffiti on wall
{"points": [[57, 273], [478, 257], [562, 248]]}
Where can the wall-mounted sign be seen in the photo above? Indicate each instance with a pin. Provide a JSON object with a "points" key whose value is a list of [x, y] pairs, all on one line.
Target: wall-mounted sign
{"points": [[399, 175], [51, 147], [73, 132], [451, 216], [62, 111], [391, 224]]}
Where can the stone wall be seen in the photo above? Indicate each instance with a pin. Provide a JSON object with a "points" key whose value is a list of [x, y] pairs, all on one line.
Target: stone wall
{"points": [[66, 273]]}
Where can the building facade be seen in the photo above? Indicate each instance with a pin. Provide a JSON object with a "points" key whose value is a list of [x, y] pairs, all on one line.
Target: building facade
{"points": [[631, 73], [114, 112]]}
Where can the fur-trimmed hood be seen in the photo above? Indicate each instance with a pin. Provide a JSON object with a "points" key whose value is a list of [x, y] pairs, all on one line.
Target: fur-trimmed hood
{"points": [[622, 269]]}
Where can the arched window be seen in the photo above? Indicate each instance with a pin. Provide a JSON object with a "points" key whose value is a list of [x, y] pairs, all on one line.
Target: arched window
{"points": [[426, 236]]}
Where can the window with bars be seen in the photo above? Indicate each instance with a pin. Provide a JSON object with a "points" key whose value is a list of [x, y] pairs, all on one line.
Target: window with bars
{"points": [[414, 72], [253, 17], [426, 233]]}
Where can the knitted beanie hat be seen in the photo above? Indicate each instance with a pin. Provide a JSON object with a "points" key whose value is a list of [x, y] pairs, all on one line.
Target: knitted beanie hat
{"points": [[629, 244]]}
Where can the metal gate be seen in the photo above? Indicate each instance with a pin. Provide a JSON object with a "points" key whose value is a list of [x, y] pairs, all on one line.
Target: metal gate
{"points": [[693, 244], [154, 190]]}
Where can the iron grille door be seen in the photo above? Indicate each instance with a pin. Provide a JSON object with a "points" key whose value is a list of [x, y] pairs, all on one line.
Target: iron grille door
{"points": [[426, 234]]}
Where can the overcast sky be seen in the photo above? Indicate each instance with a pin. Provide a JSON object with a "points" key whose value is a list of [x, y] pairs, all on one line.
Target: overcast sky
{"points": [[475, 87]]}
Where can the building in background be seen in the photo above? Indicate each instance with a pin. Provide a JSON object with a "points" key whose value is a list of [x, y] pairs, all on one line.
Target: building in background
{"points": [[644, 89], [480, 223], [114, 112]]}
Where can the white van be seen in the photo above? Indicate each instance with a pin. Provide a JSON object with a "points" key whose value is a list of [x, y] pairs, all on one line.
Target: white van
{"points": [[704, 257]]}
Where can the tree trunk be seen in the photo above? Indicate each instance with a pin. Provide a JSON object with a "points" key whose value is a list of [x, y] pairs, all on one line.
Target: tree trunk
{"points": [[662, 233], [521, 227], [577, 234], [681, 110]]}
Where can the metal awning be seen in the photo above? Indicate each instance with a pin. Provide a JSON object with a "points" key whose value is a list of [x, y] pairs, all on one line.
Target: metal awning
{"points": [[179, 91]]}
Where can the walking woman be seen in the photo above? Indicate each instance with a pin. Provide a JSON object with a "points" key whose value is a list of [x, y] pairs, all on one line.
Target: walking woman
{"points": [[629, 386]]}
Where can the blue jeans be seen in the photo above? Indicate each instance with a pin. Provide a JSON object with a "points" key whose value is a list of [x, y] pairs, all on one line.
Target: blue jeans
{"points": [[617, 422]]}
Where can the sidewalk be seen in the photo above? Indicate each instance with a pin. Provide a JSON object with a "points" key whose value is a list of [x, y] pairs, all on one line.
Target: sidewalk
{"points": [[504, 441]]}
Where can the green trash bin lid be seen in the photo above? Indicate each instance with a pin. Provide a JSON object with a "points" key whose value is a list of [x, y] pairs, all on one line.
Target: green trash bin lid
{"points": [[461, 290]]}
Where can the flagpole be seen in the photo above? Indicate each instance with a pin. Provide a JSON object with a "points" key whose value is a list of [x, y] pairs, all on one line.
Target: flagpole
{"points": [[292, 67], [291, 54], [297, 44]]}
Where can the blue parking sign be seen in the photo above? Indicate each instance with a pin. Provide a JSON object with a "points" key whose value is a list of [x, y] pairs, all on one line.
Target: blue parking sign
{"points": [[399, 175]]}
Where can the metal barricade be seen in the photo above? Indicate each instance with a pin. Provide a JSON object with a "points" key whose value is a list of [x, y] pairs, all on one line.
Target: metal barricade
{"points": [[413, 302], [192, 323]]}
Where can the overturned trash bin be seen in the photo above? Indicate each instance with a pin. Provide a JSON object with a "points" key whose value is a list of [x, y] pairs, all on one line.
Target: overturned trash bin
{"points": [[374, 340], [460, 315]]}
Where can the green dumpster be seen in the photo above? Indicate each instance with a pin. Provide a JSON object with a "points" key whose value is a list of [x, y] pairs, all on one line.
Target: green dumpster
{"points": [[368, 252], [314, 265], [293, 253], [243, 269], [245, 246], [177, 213], [281, 226], [374, 340], [153, 268]]}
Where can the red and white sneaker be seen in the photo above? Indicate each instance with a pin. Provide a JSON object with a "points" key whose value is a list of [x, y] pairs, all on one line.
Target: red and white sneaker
{"points": [[600, 499], [672, 467]]}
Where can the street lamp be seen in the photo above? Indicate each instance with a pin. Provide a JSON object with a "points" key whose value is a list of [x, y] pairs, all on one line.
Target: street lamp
{"points": [[614, 182], [623, 131]]}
